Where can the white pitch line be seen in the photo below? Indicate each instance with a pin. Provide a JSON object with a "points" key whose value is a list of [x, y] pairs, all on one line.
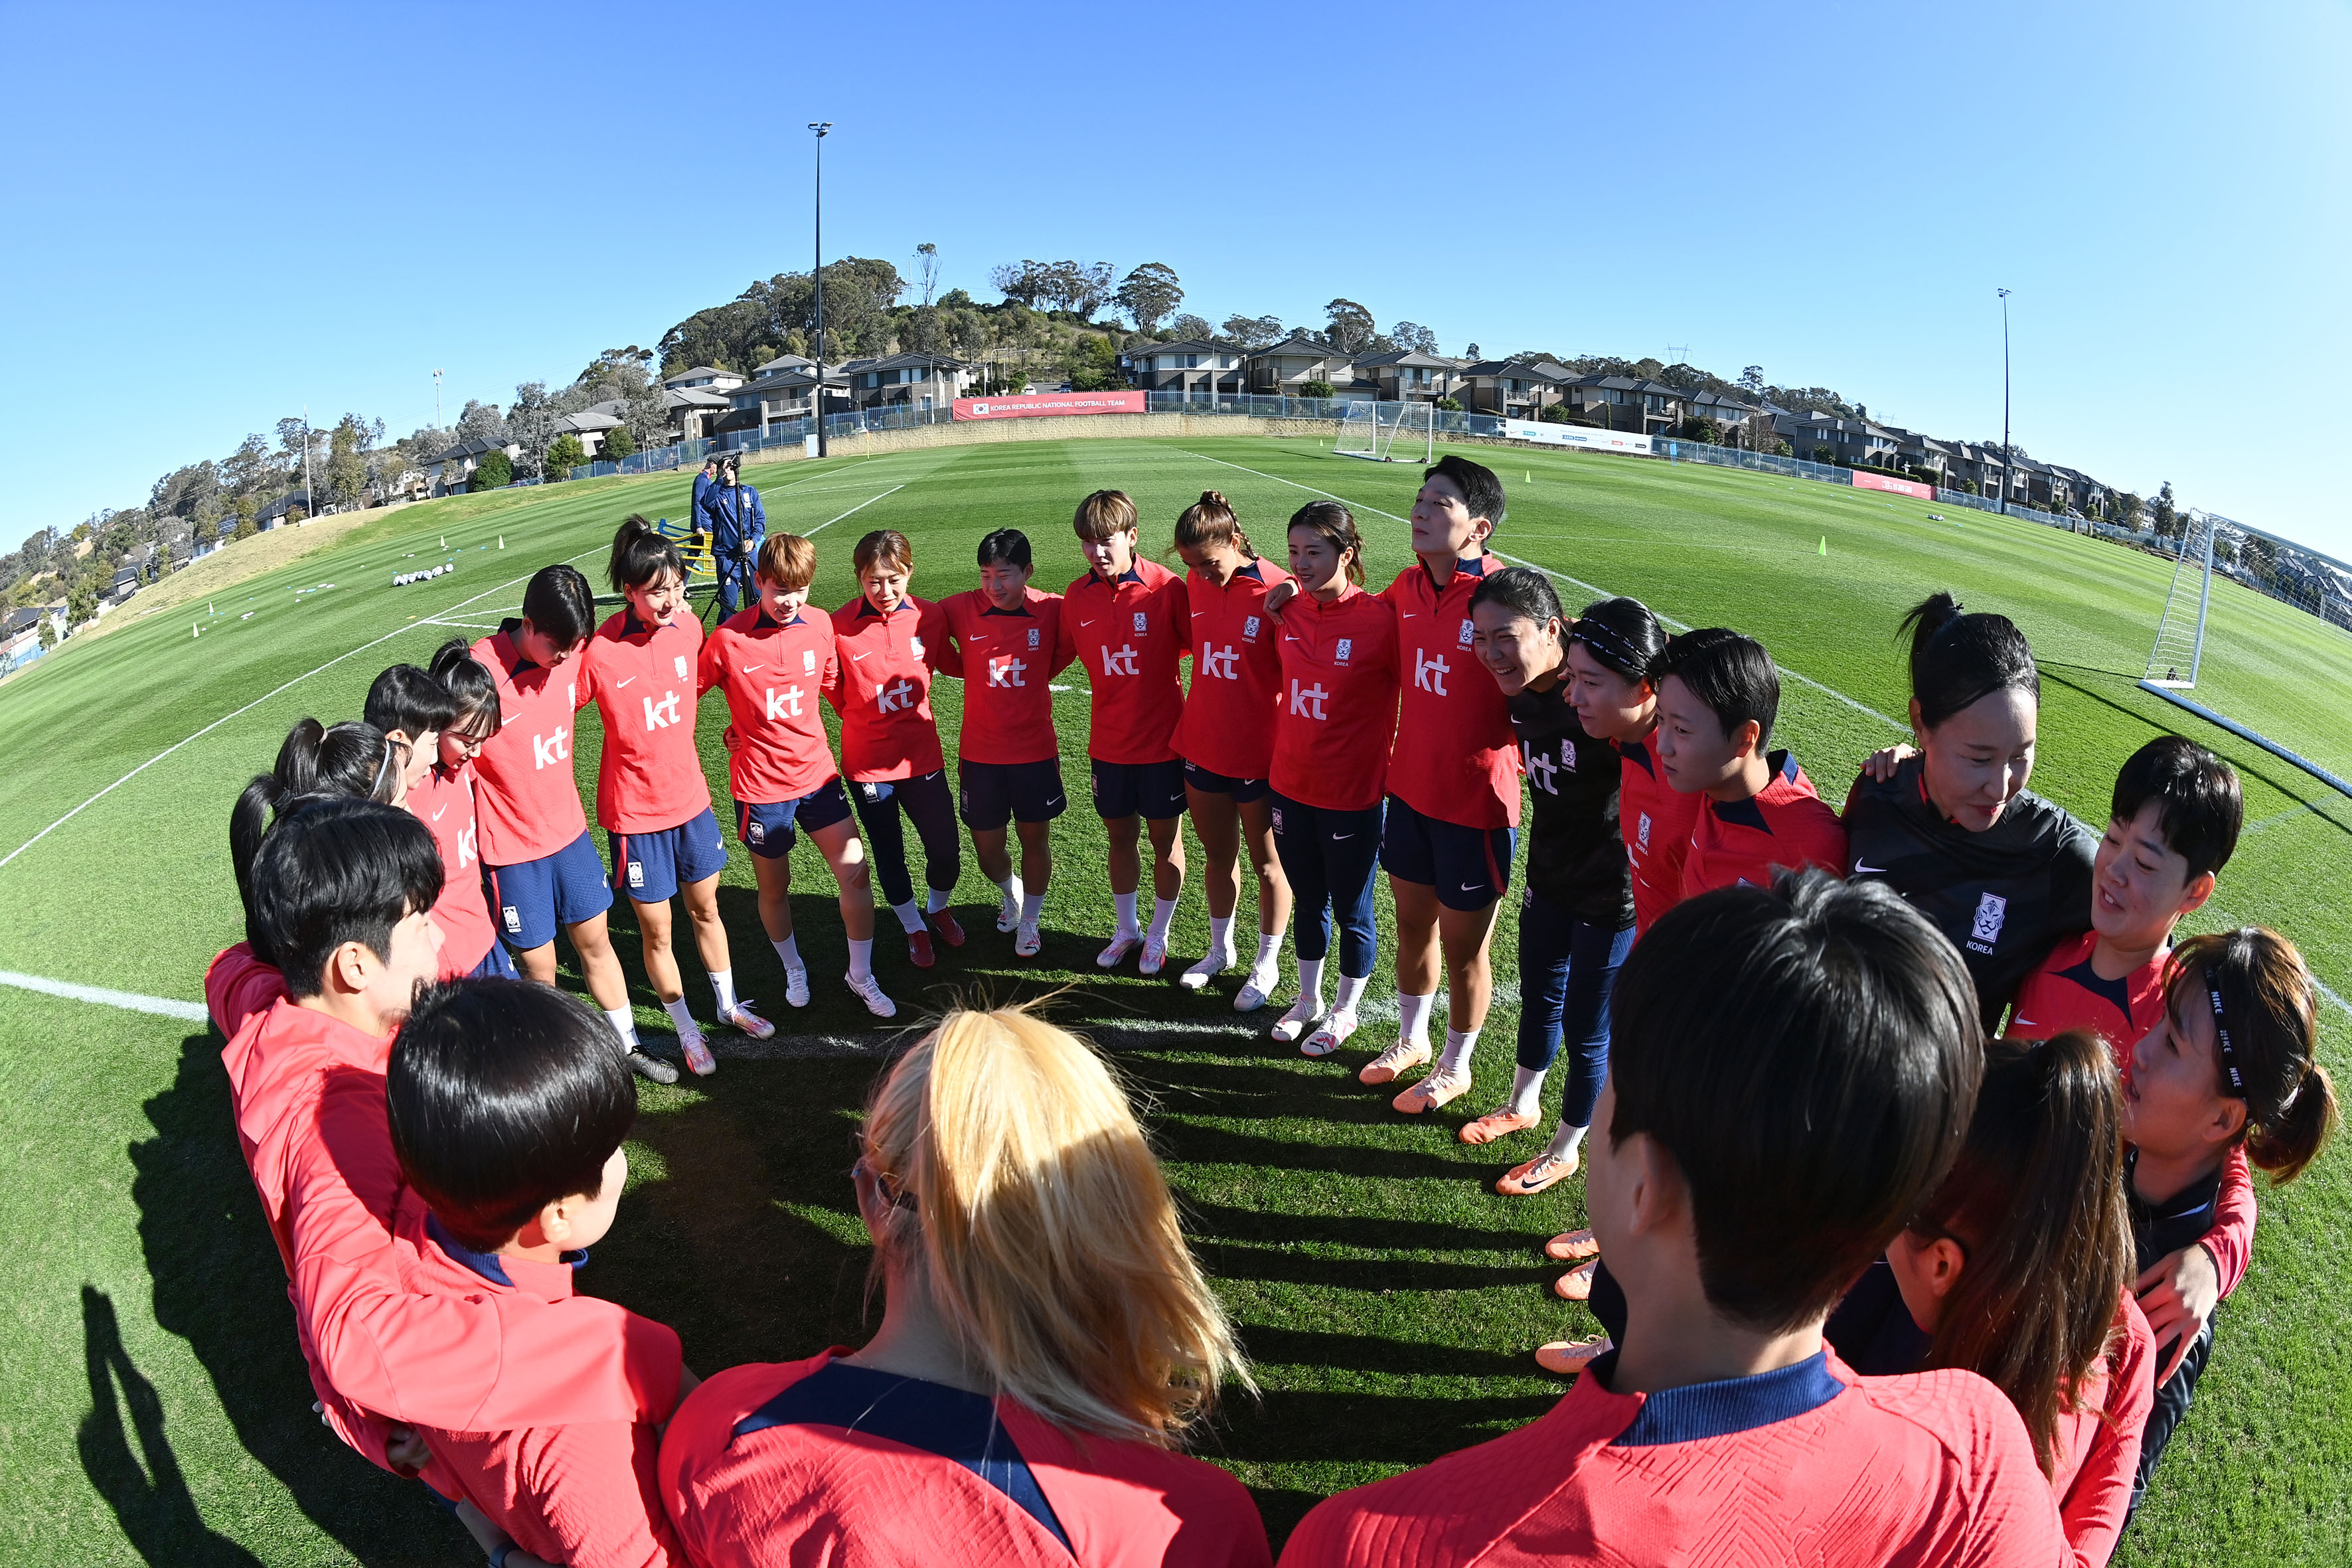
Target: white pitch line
{"points": [[829, 521], [257, 702], [129, 1001], [1589, 587]]}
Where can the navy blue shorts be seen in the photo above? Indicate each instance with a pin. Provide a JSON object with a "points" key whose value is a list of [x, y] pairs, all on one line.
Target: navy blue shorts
{"points": [[1152, 790], [650, 867], [990, 795], [559, 890], [495, 965], [1469, 866], [769, 829], [1244, 790]]}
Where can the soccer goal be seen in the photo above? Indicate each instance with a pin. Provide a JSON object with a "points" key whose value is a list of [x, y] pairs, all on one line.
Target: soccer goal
{"points": [[1389, 433], [2291, 574]]}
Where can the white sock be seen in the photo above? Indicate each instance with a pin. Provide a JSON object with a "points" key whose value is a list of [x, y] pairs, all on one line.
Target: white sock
{"points": [[1124, 904], [1267, 947], [722, 982], [1412, 1016], [1566, 1142], [1351, 991], [938, 900], [1310, 981], [1033, 905], [1010, 889], [1220, 935], [1458, 1047], [861, 959], [688, 1029], [1163, 912], [910, 915], [1526, 1090], [788, 951], [625, 1023]]}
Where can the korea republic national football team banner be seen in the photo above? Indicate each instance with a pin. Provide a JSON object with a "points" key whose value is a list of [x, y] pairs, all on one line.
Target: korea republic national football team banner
{"points": [[1575, 435], [1015, 406]]}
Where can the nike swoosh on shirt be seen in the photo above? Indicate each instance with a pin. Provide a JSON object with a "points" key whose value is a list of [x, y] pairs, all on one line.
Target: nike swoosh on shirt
{"points": [[750, 667], [1090, 623], [1864, 868], [1408, 615], [1336, 837], [618, 684], [2027, 1023], [437, 815], [855, 657]]}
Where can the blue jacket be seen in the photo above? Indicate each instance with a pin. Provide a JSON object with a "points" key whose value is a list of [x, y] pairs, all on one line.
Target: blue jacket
{"points": [[702, 486], [733, 515]]}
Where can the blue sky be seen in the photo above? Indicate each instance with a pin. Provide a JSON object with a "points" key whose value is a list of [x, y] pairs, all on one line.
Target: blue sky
{"points": [[214, 219]]}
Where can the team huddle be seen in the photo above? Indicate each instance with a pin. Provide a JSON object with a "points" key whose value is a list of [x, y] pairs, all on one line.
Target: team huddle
{"points": [[1917, 1154]]}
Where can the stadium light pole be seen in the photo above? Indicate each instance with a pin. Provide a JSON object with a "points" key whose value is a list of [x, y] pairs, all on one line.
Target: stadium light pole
{"points": [[2005, 458], [816, 392]]}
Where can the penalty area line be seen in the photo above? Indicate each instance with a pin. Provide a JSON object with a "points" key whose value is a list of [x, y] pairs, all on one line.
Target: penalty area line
{"points": [[257, 702], [853, 512]]}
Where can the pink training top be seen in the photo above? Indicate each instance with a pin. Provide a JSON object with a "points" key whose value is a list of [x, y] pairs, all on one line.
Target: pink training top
{"points": [[529, 800], [1809, 1464], [642, 678], [756, 1479], [307, 1093], [444, 802]]}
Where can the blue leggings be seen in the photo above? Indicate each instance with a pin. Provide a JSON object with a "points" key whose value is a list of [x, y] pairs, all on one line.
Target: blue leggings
{"points": [[1328, 857], [1567, 967], [930, 804]]}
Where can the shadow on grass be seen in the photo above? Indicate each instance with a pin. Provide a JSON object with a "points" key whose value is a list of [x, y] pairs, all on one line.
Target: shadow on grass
{"points": [[146, 1489], [220, 1286]]}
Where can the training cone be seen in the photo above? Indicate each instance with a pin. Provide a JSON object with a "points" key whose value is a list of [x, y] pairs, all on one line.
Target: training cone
{"points": [[502, 541], [1825, 545]]}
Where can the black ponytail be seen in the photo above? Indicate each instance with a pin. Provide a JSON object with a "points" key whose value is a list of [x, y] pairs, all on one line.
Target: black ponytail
{"points": [[473, 690], [1623, 635], [1957, 659], [641, 555], [410, 701], [351, 760]]}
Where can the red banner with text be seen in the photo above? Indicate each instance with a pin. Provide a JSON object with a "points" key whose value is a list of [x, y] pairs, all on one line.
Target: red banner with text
{"points": [[1015, 406], [1862, 481]]}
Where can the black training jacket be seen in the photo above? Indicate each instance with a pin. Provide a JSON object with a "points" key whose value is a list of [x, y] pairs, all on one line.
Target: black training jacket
{"points": [[2004, 897], [1576, 856]]}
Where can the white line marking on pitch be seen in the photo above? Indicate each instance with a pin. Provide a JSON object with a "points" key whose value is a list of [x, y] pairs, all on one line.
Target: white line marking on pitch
{"points": [[1591, 588], [257, 702], [129, 1001], [829, 521]]}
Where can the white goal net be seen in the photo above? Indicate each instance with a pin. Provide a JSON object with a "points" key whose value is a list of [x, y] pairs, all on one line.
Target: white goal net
{"points": [[1388, 433]]}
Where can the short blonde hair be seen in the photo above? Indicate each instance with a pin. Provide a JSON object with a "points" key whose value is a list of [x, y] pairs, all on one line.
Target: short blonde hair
{"points": [[1038, 1215], [788, 560], [1102, 514]]}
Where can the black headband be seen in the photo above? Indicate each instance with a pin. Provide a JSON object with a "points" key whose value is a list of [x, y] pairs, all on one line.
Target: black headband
{"points": [[2222, 1039], [1610, 646]]}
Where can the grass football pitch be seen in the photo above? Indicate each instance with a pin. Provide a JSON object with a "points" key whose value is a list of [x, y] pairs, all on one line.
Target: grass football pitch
{"points": [[153, 1404]]}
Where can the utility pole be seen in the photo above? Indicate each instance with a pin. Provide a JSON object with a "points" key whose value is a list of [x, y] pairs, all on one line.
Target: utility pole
{"points": [[310, 507], [436, 400], [2005, 458], [816, 393]]}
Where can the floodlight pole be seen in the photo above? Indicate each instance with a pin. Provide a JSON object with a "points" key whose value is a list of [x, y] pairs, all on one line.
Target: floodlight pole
{"points": [[2006, 459], [816, 392]]}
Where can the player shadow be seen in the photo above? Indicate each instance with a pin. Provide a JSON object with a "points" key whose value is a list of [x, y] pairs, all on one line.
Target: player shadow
{"points": [[1268, 1346], [220, 1285], [1372, 1232], [1228, 1260], [146, 1490], [1328, 1426]]}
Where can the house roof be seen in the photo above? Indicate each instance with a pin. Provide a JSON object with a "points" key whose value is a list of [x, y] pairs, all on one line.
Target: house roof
{"points": [[780, 363], [1717, 400], [699, 373], [588, 420], [1408, 357], [915, 361], [693, 397], [1180, 346], [790, 381], [1509, 367], [1300, 344], [462, 449]]}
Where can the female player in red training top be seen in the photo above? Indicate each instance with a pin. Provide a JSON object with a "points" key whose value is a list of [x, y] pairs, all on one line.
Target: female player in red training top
{"points": [[417, 710], [889, 746], [1339, 673], [1612, 658], [771, 662], [1000, 639], [1047, 1340], [651, 795], [1226, 737]]}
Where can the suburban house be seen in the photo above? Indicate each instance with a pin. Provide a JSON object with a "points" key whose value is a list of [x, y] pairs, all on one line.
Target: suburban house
{"points": [[1628, 402], [778, 365], [1729, 412], [694, 412], [20, 637], [592, 424], [706, 378], [1283, 369], [908, 380], [450, 470], [1507, 387], [1196, 367], [1409, 375], [780, 396]]}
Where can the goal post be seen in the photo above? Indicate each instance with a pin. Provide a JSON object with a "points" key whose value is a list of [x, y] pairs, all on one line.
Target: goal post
{"points": [[1389, 433]]}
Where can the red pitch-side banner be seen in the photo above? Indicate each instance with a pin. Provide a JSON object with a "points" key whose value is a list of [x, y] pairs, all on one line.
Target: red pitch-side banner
{"points": [[1030, 407], [1862, 481]]}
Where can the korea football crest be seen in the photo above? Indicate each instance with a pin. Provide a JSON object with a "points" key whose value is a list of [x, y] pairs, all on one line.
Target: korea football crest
{"points": [[1993, 910], [679, 660], [1141, 623], [1033, 636], [1347, 645], [1249, 628], [808, 661], [755, 830], [1466, 630], [915, 647]]}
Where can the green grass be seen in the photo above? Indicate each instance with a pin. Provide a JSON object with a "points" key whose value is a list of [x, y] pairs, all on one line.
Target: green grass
{"points": [[150, 1396]]}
